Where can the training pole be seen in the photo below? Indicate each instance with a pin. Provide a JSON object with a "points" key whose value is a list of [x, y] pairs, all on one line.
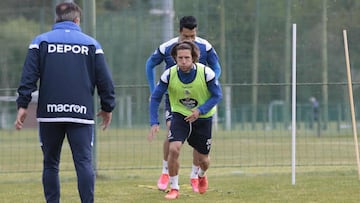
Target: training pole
{"points": [[293, 105], [348, 70]]}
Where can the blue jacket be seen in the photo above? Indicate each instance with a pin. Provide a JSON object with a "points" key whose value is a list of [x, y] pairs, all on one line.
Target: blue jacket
{"points": [[69, 64], [208, 56]]}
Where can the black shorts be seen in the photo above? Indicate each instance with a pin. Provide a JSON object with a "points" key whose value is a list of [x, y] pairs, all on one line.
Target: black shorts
{"points": [[197, 134]]}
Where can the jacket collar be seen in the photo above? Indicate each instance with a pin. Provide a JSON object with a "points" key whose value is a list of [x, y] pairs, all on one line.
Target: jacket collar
{"points": [[66, 25]]}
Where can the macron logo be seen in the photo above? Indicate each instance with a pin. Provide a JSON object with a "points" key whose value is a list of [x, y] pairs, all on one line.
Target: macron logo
{"points": [[65, 48], [54, 108]]}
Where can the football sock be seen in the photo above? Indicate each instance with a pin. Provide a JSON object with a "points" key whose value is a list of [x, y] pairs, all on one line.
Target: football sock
{"points": [[165, 169], [194, 171], [174, 182], [201, 172]]}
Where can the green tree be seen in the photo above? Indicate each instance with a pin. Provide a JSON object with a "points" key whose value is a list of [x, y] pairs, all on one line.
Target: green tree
{"points": [[15, 37]]}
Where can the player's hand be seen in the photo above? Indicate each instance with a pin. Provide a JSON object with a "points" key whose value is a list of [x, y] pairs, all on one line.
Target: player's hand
{"points": [[106, 119], [20, 118], [193, 117], [153, 130]]}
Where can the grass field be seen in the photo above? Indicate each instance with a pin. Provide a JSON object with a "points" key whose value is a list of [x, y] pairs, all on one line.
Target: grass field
{"points": [[247, 166], [128, 148], [321, 184]]}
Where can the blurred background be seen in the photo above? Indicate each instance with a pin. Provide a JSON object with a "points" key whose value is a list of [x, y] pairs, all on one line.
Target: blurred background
{"points": [[253, 39]]}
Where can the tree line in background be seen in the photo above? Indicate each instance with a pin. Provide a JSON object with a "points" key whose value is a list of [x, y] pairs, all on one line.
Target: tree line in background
{"points": [[252, 38]]}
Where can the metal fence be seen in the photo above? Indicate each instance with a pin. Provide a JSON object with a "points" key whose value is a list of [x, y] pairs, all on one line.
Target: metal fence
{"points": [[240, 142], [252, 38]]}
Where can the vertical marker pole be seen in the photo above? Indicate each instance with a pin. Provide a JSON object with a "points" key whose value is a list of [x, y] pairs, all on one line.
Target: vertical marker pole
{"points": [[348, 70], [293, 106]]}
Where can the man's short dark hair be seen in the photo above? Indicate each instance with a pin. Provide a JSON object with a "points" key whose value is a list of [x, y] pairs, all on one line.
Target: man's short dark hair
{"points": [[67, 11], [188, 22]]}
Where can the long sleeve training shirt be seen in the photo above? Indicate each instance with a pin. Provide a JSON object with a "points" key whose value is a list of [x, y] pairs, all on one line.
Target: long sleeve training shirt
{"points": [[208, 56], [211, 81]]}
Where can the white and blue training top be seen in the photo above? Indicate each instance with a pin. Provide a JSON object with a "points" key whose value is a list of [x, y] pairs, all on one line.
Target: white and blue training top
{"points": [[208, 56]]}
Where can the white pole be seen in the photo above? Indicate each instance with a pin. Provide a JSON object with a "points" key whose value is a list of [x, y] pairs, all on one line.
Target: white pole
{"points": [[216, 120], [351, 98], [121, 110], [129, 111], [227, 107], [168, 19], [293, 106]]}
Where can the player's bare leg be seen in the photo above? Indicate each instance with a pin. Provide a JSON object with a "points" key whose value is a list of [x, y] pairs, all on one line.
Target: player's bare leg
{"points": [[194, 181], [164, 177], [204, 161], [174, 165]]}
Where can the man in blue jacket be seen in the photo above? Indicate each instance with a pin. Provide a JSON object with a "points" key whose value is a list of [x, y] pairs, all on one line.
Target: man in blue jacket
{"points": [[70, 65], [208, 56]]}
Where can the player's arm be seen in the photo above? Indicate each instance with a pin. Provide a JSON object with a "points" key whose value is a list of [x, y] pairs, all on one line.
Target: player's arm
{"points": [[155, 59], [155, 100], [215, 90], [29, 77], [213, 62], [156, 96]]}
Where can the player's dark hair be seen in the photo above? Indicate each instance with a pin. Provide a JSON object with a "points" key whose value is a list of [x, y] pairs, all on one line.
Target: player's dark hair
{"points": [[186, 45], [67, 11], [188, 22]]}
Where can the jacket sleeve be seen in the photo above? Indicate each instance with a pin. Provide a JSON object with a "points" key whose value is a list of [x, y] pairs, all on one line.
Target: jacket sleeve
{"points": [[104, 84], [29, 77]]}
